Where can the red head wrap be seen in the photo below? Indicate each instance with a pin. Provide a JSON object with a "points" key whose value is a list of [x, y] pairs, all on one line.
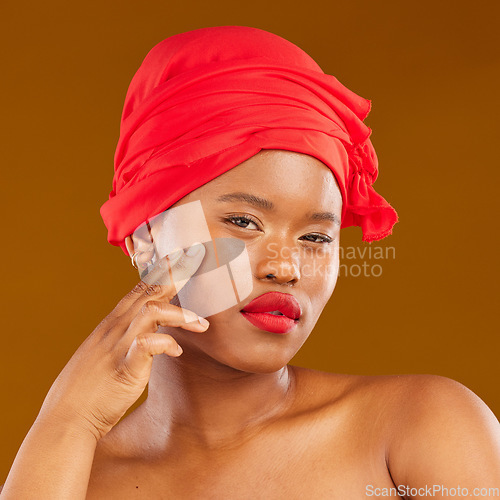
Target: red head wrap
{"points": [[204, 101]]}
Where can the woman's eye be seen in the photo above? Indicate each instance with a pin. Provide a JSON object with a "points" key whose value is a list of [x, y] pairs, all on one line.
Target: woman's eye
{"points": [[242, 222], [318, 238], [246, 223]]}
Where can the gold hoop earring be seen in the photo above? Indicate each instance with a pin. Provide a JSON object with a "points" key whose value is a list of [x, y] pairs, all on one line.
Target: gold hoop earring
{"points": [[133, 258]]}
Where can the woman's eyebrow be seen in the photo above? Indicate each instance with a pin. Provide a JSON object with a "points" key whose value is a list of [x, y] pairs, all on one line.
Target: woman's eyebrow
{"points": [[325, 216], [249, 198], [269, 205]]}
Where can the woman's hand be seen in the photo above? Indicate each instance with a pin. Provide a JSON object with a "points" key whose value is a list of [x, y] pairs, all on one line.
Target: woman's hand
{"points": [[111, 369], [105, 376]]}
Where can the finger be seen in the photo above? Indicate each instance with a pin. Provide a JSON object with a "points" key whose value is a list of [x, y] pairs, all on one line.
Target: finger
{"points": [[156, 313], [172, 273], [168, 275], [139, 358], [178, 268]]}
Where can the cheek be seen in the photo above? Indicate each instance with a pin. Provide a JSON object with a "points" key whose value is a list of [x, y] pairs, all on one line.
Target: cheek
{"points": [[320, 270], [223, 280], [319, 280], [332, 275]]}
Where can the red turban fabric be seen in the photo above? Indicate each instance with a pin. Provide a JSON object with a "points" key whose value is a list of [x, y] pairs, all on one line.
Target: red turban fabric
{"points": [[204, 101]]}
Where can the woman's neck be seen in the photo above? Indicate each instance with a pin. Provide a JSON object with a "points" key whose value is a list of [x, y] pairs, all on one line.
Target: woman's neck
{"points": [[198, 402]]}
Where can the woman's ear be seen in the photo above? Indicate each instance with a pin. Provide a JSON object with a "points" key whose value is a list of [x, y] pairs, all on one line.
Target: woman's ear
{"points": [[144, 248], [130, 245]]}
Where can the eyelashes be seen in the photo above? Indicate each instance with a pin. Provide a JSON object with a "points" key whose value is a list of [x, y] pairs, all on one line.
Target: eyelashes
{"points": [[245, 219], [233, 218]]}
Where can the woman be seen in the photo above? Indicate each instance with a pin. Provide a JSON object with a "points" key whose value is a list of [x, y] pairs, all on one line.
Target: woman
{"points": [[265, 158]]}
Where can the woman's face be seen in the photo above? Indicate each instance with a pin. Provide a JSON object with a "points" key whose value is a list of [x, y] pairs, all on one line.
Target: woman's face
{"points": [[282, 238]]}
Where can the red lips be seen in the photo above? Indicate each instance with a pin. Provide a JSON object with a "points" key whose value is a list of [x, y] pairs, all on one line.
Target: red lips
{"points": [[275, 301]]}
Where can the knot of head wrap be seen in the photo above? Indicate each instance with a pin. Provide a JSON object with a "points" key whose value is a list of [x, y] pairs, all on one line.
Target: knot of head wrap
{"points": [[204, 101]]}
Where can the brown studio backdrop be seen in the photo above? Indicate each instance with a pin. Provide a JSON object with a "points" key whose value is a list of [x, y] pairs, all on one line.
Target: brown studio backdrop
{"points": [[432, 71]]}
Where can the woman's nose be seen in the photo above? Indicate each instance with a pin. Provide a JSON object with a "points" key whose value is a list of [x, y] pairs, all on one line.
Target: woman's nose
{"points": [[282, 267]]}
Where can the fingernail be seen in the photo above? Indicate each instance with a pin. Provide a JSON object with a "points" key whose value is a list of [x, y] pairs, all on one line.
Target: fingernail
{"points": [[179, 349], [174, 256], [194, 249], [203, 321]]}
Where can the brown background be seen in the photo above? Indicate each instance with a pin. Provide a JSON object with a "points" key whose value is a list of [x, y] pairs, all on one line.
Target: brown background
{"points": [[432, 70]]}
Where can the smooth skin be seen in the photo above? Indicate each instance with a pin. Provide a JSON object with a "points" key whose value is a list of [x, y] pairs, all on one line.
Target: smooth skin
{"points": [[229, 418]]}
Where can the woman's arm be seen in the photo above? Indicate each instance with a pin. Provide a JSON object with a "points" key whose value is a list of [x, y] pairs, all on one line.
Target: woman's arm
{"points": [[446, 442], [61, 451], [104, 377]]}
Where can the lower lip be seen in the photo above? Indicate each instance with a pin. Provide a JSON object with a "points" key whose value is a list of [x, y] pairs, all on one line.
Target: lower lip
{"points": [[270, 322]]}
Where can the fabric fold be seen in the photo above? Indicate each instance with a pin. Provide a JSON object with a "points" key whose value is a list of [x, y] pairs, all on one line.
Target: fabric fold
{"points": [[206, 100]]}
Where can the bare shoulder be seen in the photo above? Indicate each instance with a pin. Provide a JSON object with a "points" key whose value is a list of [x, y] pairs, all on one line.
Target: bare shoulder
{"points": [[366, 406], [441, 434], [406, 398], [417, 405], [425, 403], [375, 392], [416, 415]]}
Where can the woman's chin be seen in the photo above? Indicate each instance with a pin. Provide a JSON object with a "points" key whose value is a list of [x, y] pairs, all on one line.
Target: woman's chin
{"points": [[240, 356], [233, 341]]}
